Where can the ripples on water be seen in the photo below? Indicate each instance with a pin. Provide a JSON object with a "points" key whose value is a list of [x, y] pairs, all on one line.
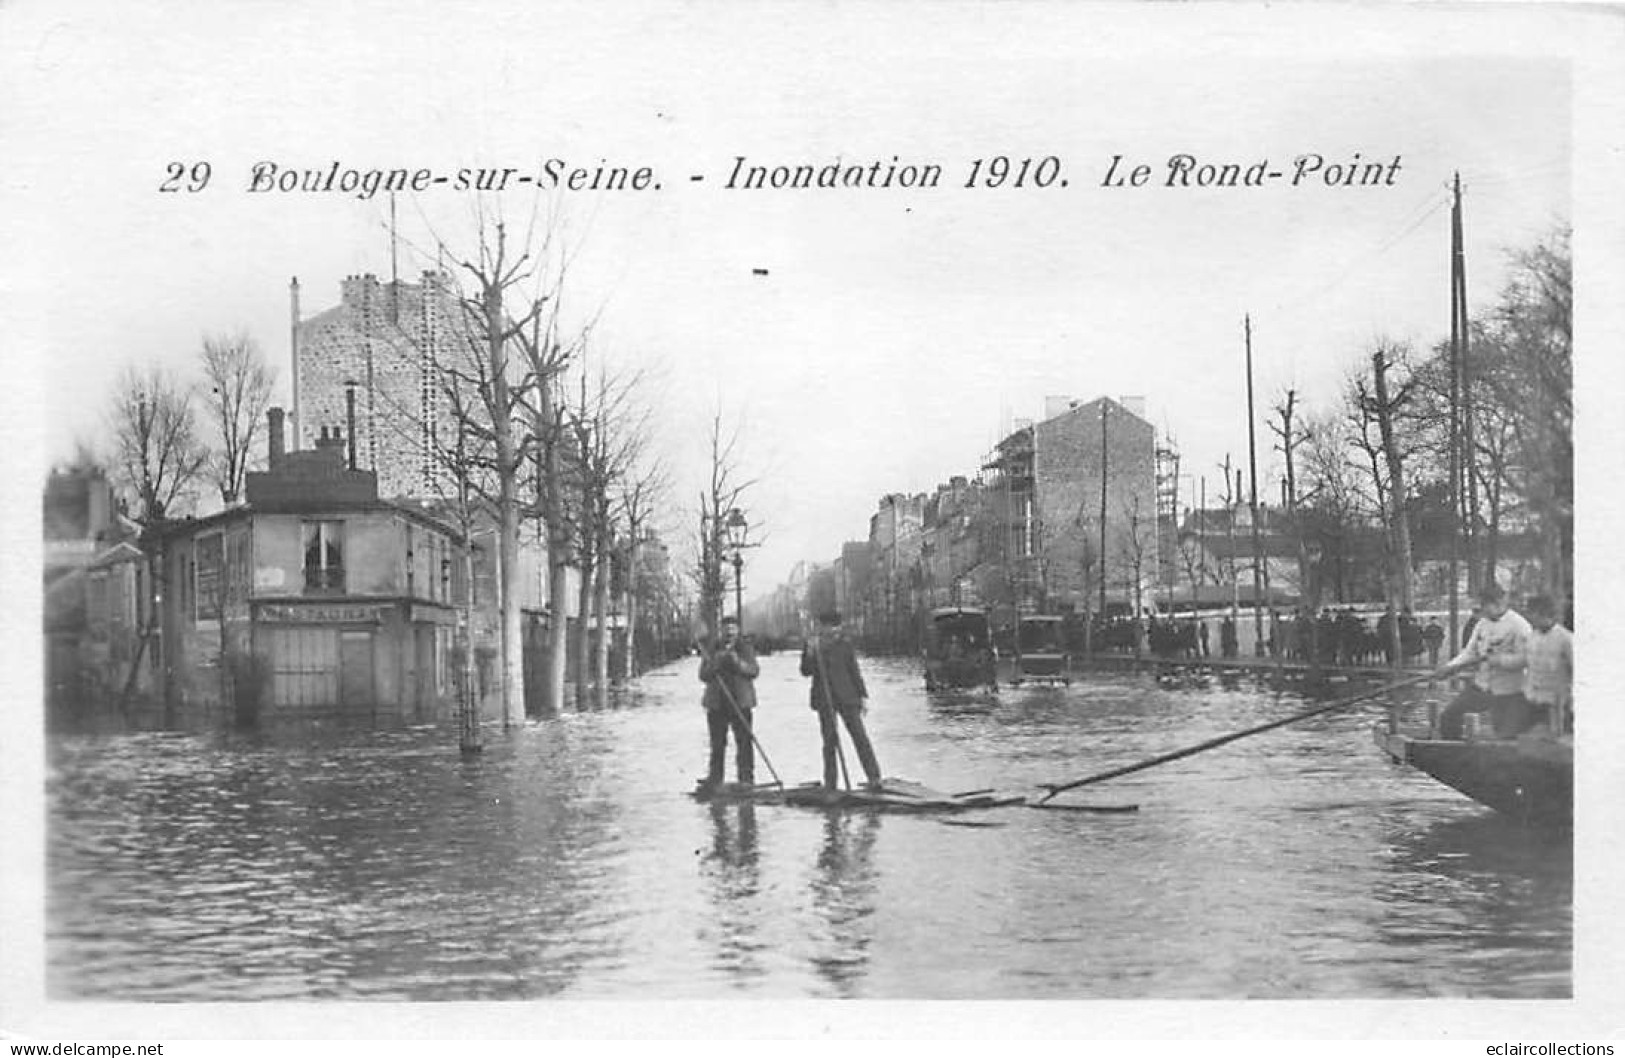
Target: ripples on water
{"points": [[565, 861]]}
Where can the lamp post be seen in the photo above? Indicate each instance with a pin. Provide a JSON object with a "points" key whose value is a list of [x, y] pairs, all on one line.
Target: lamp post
{"points": [[737, 529]]}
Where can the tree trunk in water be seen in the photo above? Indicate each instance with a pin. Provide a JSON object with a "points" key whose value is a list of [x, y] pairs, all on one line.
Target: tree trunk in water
{"points": [[600, 579], [512, 635], [468, 709], [584, 596], [629, 665], [558, 632], [556, 651], [1398, 520]]}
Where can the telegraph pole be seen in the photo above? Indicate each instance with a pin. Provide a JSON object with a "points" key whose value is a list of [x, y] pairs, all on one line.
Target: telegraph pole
{"points": [[1252, 461], [1455, 418], [1105, 406]]}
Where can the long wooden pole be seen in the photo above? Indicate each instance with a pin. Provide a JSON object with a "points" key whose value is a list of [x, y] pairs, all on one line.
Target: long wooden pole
{"points": [[1213, 743]]}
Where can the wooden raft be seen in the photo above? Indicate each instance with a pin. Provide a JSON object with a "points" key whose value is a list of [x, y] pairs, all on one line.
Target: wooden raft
{"points": [[894, 795]]}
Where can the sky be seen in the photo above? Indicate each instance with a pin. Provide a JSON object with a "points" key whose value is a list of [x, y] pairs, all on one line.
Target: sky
{"points": [[896, 334]]}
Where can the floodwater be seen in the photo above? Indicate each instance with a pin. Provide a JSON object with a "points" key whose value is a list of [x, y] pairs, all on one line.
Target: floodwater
{"points": [[566, 860]]}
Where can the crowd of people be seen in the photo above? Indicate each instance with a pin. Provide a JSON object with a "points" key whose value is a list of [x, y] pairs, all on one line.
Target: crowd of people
{"points": [[1337, 636]]}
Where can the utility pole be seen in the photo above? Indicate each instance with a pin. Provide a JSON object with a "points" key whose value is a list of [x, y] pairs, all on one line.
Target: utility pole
{"points": [[1201, 532], [1105, 406], [1469, 479], [1455, 418], [1232, 489], [1252, 502]]}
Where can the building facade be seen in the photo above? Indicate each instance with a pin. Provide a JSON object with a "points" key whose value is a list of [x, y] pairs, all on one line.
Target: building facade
{"points": [[315, 598], [95, 582]]}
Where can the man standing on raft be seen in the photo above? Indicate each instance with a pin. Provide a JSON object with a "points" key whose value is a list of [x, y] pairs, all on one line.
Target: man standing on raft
{"points": [[729, 670], [837, 689]]}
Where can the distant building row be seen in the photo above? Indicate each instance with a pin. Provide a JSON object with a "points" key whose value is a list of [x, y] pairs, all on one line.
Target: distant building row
{"points": [[1079, 513]]}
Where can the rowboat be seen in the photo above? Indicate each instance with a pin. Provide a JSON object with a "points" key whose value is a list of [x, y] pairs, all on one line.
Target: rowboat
{"points": [[892, 795], [1529, 778]]}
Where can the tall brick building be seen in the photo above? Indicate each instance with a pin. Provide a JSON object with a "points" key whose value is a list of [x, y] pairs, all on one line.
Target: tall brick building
{"points": [[1052, 473], [385, 338], [391, 340]]}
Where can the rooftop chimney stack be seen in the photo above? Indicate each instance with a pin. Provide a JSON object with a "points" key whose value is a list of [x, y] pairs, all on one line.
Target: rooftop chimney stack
{"points": [[349, 412], [293, 351], [274, 435]]}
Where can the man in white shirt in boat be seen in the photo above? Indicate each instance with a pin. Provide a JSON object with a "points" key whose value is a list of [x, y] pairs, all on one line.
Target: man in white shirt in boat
{"points": [[1549, 683], [1497, 653]]}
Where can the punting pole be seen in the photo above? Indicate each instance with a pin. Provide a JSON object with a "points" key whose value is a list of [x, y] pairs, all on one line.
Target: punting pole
{"points": [[1213, 743], [733, 704]]}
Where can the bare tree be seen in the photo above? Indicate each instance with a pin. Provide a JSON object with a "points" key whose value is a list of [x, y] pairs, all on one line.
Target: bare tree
{"points": [[157, 451], [725, 485], [494, 359], [1384, 405], [1331, 505], [466, 487], [609, 430], [236, 392], [1136, 547], [158, 459], [642, 491]]}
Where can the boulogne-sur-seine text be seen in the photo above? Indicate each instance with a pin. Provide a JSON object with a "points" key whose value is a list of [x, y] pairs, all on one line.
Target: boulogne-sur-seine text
{"points": [[747, 174]]}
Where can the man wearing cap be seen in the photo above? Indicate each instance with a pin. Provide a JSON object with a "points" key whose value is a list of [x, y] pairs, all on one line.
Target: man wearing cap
{"points": [[838, 690], [729, 669], [1549, 682], [1497, 653]]}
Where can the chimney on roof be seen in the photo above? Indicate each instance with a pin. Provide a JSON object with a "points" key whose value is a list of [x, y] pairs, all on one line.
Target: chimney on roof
{"points": [[293, 350], [349, 411], [332, 440], [275, 438]]}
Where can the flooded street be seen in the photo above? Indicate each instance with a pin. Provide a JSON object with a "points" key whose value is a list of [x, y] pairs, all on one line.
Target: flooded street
{"points": [[566, 861]]}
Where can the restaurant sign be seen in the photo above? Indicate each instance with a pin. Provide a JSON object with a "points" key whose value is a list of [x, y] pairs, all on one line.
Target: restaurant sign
{"points": [[332, 613]]}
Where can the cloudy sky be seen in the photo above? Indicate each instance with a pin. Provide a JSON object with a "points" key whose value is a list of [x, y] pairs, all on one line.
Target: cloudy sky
{"points": [[897, 333]]}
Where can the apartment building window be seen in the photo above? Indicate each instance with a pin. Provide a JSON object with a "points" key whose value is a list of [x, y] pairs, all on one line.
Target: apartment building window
{"points": [[324, 556]]}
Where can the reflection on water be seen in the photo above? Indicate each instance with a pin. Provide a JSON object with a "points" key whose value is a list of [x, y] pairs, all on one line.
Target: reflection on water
{"points": [[843, 892], [567, 861]]}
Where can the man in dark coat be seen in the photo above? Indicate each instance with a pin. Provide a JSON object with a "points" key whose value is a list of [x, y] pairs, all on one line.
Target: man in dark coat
{"points": [[729, 671], [838, 690]]}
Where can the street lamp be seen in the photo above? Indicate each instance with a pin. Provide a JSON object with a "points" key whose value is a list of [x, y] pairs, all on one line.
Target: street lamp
{"points": [[736, 530]]}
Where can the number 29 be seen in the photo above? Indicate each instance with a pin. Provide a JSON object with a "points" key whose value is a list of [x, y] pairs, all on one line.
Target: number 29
{"points": [[182, 177]]}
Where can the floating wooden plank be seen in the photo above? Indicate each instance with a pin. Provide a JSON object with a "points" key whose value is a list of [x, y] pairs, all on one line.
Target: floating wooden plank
{"points": [[1086, 808], [892, 795]]}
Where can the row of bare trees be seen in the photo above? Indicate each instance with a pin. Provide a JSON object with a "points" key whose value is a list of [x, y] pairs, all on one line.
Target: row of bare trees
{"points": [[171, 435], [536, 436], [1381, 456]]}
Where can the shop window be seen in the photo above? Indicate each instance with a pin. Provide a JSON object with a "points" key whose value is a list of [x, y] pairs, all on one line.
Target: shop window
{"points": [[208, 562], [324, 556]]}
